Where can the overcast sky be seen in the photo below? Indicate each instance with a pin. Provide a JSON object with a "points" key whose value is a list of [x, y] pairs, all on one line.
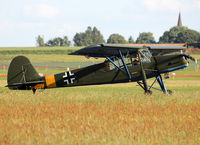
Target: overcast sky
{"points": [[21, 21]]}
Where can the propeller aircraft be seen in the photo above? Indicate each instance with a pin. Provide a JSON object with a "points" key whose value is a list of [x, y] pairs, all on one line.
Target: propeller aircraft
{"points": [[123, 63]]}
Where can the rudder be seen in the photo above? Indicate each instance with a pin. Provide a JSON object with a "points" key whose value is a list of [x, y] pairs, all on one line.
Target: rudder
{"points": [[20, 72]]}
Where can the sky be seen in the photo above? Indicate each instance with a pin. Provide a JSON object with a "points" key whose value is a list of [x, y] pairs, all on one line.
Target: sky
{"points": [[21, 21]]}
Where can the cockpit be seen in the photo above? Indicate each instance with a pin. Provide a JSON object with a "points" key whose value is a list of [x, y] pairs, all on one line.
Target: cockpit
{"points": [[145, 55], [142, 56]]}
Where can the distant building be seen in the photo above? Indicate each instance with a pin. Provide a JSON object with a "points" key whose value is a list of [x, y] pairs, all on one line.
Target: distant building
{"points": [[179, 20]]}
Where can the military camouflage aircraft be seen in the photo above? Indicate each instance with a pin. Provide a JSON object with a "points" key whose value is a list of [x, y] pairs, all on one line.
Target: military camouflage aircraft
{"points": [[123, 63]]}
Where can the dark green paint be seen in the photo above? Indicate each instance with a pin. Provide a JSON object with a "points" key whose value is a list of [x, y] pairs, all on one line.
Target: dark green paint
{"points": [[91, 75]]}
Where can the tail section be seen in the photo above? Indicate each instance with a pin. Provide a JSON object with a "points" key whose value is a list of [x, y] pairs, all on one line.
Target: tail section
{"points": [[21, 74]]}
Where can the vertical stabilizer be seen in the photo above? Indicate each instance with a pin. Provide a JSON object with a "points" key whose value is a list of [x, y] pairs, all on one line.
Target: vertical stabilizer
{"points": [[21, 72]]}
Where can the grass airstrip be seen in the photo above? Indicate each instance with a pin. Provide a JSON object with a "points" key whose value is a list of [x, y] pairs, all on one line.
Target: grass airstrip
{"points": [[105, 114]]}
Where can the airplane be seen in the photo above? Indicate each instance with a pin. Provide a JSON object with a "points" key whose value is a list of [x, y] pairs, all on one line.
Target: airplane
{"points": [[123, 63]]}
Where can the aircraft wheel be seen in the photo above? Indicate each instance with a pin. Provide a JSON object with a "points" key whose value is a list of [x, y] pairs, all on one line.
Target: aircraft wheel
{"points": [[170, 92], [148, 92], [34, 90]]}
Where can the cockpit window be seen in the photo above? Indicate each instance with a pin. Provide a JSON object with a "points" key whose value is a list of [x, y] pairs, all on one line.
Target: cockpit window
{"points": [[145, 55], [129, 60], [118, 62]]}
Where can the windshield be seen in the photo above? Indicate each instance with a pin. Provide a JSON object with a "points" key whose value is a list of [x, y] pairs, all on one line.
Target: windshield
{"points": [[145, 55]]}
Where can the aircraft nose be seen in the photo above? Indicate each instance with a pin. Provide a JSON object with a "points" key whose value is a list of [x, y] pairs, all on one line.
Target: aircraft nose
{"points": [[187, 56]]}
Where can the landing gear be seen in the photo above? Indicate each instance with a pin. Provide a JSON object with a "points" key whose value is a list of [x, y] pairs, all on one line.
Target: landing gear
{"points": [[147, 89], [34, 90], [162, 86], [170, 92], [148, 92]]}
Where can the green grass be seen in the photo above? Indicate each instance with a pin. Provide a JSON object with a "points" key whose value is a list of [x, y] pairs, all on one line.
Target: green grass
{"points": [[184, 92], [47, 56]]}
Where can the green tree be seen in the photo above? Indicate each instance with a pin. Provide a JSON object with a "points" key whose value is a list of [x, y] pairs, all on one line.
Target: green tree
{"points": [[79, 39], [97, 37], [180, 34], [58, 41], [49, 43], [188, 36], [116, 39], [146, 37], [40, 41], [66, 42], [171, 36], [130, 40], [89, 37], [54, 42]]}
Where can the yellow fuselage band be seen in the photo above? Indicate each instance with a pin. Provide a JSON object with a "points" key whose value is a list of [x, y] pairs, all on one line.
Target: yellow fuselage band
{"points": [[50, 81]]}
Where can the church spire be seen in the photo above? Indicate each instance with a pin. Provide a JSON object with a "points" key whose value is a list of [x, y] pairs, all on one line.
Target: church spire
{"points": [[179, 20]]}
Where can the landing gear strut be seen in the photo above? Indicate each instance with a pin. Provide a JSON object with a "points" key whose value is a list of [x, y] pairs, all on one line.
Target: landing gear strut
{"points": [[162, 86], [161, 83]]}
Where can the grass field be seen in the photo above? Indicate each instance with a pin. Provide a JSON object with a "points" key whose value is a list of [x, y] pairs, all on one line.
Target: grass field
{"points": [[117, 114]]}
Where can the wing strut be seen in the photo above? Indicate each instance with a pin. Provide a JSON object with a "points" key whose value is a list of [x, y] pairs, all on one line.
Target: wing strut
{"points": [[115, 65], [125, 66], [126, 72]]}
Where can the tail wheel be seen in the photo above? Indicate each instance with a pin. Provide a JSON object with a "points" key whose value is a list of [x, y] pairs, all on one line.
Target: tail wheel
{"points": [[34, 90]]}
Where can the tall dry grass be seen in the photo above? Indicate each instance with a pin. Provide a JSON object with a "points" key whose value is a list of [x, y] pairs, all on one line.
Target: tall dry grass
{"points": [[95, 115]]}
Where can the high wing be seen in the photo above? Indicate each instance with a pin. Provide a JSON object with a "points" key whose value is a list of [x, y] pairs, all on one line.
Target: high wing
{"points": [[109, 50], [195, 45], [161, 49]]}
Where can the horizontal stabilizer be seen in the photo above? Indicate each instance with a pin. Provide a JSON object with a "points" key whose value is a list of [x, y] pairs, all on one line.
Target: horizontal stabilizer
{"points": [[26, 84]]}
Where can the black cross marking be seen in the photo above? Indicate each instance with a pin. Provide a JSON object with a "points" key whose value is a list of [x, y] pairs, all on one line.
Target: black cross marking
{"points": [[69, 77]]}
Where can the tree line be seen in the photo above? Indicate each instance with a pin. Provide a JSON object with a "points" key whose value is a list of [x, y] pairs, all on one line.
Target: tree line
{"points": [[92, 36]]}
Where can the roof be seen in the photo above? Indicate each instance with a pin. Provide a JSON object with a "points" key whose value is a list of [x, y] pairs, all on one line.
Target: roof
{"points": [[179, 20]]}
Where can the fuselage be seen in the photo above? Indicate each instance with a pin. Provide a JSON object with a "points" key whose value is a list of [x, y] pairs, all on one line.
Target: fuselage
{"points": [[105, 73]]}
